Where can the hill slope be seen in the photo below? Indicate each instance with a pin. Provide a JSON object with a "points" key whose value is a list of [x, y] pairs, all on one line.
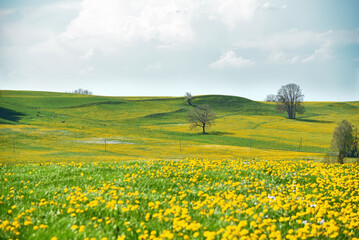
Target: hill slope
{"points": [[44, 126]]}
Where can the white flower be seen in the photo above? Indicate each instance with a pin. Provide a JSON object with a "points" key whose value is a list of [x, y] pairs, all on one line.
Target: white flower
{"points": [[271, 197]]}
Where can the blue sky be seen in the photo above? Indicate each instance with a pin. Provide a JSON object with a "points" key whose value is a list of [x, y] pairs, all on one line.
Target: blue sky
{"points": [[246, 48]]}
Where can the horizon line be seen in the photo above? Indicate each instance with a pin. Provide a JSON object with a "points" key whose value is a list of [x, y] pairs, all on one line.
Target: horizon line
{"points": [[165, 96]]}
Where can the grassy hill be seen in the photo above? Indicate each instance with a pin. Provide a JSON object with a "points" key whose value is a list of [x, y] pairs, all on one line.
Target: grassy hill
{"points": [[46, 126]]}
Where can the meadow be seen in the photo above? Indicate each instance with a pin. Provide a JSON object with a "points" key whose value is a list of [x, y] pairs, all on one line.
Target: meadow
{"points": [[94, 167], [41, 126], [185, 199]]}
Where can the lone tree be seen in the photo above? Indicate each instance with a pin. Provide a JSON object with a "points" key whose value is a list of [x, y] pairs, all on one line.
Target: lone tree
{"points": [[201, 116], [289, 99], [189, 98], [345, 141]]}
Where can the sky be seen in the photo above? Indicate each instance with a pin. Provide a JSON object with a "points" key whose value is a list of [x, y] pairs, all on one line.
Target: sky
{"points": [[247, 48]]}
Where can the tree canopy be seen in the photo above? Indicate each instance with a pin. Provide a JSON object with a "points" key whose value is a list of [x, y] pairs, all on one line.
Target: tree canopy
{"points": [[345, 141], [289, 99], [201, 116]]}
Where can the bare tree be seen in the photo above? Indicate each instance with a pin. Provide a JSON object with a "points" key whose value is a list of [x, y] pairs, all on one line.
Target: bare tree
{"points": [[345, 141], [189, 98], [270, 98], [289, 99], [201, 116]]}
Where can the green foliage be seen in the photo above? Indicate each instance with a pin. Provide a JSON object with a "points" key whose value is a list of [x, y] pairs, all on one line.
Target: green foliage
{"points": [[345, 141]]}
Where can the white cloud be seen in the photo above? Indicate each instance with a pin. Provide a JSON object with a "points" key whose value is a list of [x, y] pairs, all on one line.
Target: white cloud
{"points": [[233, 12], [295, 38], [230, 59], [111, 26], [281, 57], [298, 46], [52, 46], [288, 40], [271, 6], [346, 37], [88, 54], [324, 52], [169, 22], [30, 25], [129, 21]]}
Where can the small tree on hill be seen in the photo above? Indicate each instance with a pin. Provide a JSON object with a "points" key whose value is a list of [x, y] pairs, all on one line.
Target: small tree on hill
{"points": [[201, 116], [189, 98], [289, 99], [345, 141]]}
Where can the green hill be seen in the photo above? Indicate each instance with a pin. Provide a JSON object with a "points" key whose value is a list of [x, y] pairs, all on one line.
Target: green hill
{"points": [[50, 126]]}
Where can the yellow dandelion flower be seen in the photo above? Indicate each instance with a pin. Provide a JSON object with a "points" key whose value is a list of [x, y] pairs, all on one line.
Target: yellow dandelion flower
{"points": [[74, 227]]}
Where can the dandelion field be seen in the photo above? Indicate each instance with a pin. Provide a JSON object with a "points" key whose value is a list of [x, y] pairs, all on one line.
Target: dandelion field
{"points": [[92, 167], [188, 199], [56, 127]]}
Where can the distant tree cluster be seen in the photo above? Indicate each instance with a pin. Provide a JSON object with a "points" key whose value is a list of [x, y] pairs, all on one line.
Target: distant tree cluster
{"points": [[345, 141], [288, 99], [81, 91], [271, 98]]}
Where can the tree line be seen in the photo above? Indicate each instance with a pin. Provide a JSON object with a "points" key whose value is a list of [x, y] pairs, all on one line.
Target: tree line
{"points": [[81, 91]]}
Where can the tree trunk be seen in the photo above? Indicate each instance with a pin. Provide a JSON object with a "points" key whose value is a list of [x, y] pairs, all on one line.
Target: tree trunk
{"points": [[290, 114], [341, 157], [203, 128]]}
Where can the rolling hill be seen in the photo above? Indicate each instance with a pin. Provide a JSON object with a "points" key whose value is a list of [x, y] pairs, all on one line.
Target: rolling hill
{"points": [[48, 126]]}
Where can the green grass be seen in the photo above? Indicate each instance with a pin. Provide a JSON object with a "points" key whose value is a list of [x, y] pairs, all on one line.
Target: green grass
{"points": [[53, 123], [170, 195], [58, 178]]}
